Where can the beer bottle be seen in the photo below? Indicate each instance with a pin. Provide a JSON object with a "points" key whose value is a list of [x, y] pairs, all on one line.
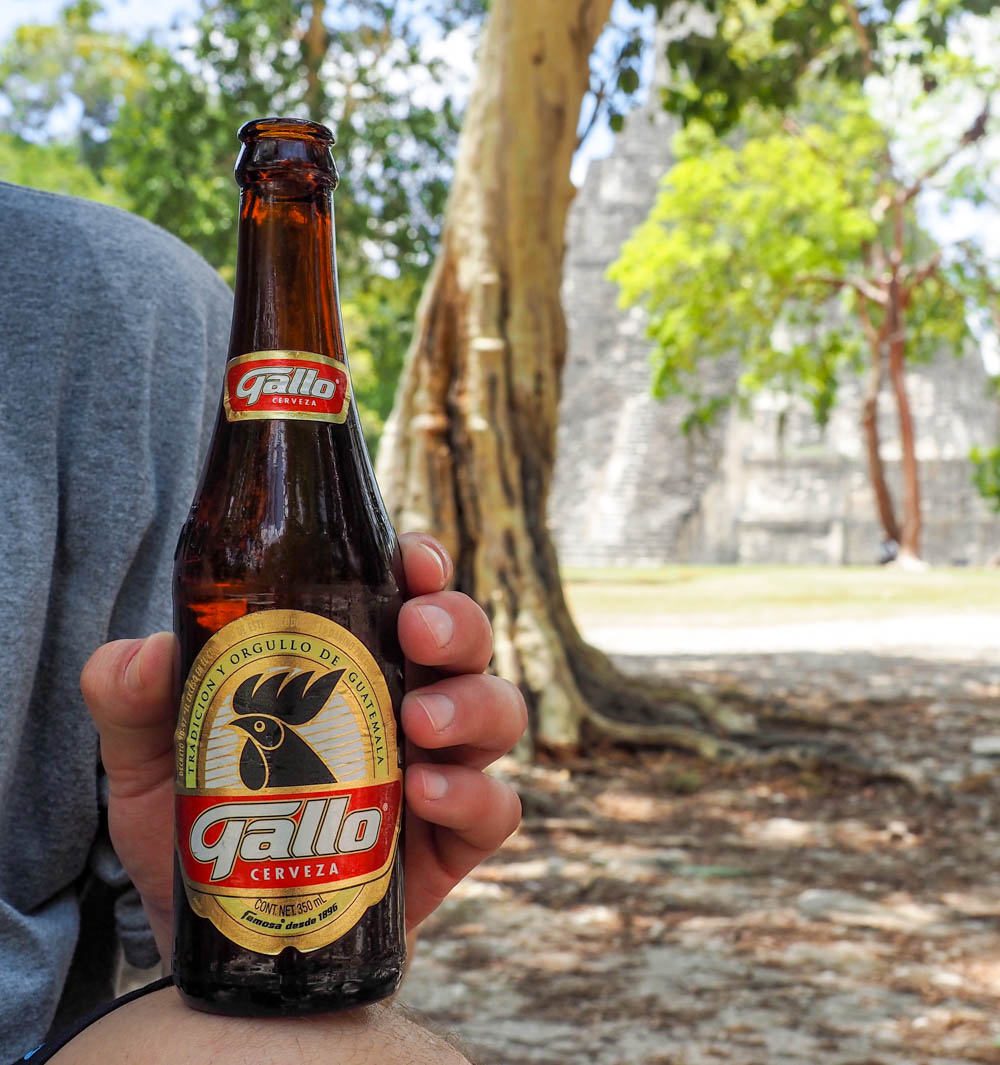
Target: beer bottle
{"points": [[287, 585]]}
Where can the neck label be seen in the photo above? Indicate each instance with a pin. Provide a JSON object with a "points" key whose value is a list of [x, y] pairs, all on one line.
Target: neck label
{"points": [[294, 385]]}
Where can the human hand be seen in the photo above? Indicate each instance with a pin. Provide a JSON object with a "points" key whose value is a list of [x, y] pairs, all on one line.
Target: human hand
{"points": [[455, 727]]}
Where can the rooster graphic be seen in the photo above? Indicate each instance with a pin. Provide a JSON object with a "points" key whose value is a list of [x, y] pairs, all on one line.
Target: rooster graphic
{"points": [[274, 754]]}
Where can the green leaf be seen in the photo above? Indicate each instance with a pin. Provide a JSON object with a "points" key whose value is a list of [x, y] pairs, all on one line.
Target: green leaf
{"points": [[628, 80]]}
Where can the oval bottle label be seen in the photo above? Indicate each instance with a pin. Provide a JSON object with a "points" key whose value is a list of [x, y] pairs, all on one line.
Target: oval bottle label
{"points": [[299, 385], [289, 788]]}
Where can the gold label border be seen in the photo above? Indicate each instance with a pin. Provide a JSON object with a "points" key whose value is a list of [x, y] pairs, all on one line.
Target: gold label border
{"points": [[306, 941]]}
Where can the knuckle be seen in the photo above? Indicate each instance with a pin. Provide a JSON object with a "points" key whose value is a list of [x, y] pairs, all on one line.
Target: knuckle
{"points": [[94, 677], [513, 812], [515, 710], [520, 710], [102, 679]]}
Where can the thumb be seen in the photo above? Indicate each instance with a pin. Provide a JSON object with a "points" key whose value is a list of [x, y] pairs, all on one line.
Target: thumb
{"points": [[129, 687]]}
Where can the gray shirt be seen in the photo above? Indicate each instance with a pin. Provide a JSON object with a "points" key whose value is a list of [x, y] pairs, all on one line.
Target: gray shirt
{"points": [[112, 344]]}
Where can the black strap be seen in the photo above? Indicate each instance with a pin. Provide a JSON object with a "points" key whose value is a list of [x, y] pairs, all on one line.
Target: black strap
{"points": [[46, 1050]]}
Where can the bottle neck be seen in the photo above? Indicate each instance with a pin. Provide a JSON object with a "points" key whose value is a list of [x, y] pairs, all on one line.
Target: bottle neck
{"points": [[286, 277]]}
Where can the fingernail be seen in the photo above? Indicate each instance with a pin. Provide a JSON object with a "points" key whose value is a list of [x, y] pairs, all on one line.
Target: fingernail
{"points": [[440, 710], [133, 668], [435, 784], [432, 552], [439, 622]]}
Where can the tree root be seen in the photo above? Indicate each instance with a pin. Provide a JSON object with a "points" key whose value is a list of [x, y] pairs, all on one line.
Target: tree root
{"points": [[719, 724], [760, 749]]}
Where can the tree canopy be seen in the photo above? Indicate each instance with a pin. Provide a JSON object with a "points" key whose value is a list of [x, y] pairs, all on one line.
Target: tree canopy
{"points": [[916, 66], [731, 53], [150, 125], [762, 246], [794, 245]]}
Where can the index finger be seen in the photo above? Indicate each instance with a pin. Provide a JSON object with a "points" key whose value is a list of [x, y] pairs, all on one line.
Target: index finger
{"points": [[427, 565]]}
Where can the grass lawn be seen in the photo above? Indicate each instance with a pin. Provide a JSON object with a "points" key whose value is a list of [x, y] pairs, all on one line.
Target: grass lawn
{"points": [[781, 592]]}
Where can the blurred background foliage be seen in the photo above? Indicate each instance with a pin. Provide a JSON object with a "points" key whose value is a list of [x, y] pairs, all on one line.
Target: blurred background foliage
{"points": [[150, 124], [147, 122], [761, 241], [793, 231]]}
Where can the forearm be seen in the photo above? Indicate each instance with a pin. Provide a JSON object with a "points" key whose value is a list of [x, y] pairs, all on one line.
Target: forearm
{"points": [[158, 1029]]}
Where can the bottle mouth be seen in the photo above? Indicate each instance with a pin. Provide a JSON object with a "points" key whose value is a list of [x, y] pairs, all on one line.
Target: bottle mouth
{"points": [[285, 154], [298, 129]]}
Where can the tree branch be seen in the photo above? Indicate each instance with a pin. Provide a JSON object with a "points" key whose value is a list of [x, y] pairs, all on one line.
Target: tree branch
{"points": [[599, 94], [861, 33], [859, 284], [315, 43], [790, 125], [873, 335], [915, 277], [898, 243], [974, 133]]}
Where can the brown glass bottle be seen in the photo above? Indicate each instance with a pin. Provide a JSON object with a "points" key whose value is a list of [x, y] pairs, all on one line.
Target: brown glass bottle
{"points": [[287, 585]]}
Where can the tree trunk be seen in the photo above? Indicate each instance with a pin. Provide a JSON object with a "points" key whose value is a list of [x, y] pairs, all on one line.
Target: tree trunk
{"points": [[869, 425], [910, 542], [314, 46], [469, 448]]}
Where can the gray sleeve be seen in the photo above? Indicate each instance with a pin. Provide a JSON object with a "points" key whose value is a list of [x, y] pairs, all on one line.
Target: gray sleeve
{"points": [[113, 341], [182, 391]]}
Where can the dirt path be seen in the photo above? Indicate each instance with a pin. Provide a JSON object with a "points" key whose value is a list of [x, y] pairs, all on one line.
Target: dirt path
{"points": [[653, 911]]}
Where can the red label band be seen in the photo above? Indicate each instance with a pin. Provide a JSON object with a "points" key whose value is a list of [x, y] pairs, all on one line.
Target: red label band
{"points": [[286, 384], [292, 839]]}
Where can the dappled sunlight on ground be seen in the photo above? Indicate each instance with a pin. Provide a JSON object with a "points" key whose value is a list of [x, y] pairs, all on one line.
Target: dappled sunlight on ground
{"points": [[630, 807], [653, 910]]}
